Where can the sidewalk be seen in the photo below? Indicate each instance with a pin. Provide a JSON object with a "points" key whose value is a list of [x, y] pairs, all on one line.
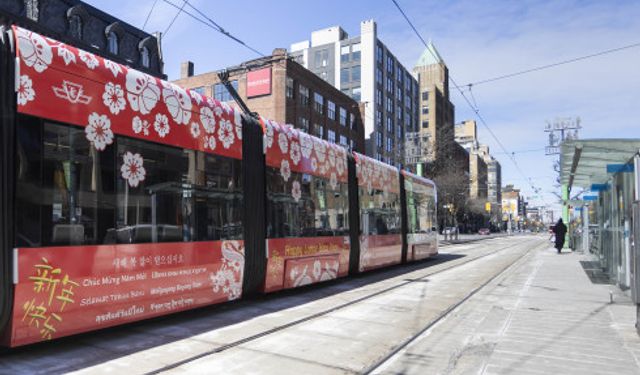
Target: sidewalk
{"points": [[544, 316]]}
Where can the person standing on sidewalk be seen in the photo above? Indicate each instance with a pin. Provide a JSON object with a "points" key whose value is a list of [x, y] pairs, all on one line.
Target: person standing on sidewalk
{"points": [[560, 231]]}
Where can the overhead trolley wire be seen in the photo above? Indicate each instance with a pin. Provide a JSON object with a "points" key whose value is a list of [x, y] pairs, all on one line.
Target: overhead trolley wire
{"points": [[175, 17], [543, 67], [149, 14], [212, 24], [473, 108]]}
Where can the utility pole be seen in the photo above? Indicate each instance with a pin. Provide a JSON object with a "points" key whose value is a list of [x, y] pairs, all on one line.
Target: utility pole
{"points": [[562, 129]]}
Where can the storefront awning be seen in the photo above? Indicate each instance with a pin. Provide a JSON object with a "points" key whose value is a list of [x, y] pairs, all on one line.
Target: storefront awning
{"points": [[585, 162]]}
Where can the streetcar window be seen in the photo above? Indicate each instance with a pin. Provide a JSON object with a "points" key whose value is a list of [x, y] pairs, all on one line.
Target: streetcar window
{"points": [[68, 193], [186, 195], [321, 210], [379, 212], [63, 186], [421, 210]]}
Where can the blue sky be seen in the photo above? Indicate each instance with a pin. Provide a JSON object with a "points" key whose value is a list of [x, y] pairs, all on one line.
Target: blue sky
{"points": [[477, 39]]}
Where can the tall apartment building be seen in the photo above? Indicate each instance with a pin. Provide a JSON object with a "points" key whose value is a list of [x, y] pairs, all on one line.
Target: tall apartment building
{"points": [[280, 89], [365, 69], [436, 110]]}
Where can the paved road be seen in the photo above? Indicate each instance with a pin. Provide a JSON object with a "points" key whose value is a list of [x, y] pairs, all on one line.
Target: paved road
{"points": [[344, 327]]}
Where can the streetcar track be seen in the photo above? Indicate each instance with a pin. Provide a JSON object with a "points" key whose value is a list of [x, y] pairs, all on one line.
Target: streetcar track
{"points": [[444, 314], [336, 308]]}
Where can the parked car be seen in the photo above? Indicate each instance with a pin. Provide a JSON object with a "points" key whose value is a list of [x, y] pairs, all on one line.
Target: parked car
{"points": [[484, 231], [449, 230]]}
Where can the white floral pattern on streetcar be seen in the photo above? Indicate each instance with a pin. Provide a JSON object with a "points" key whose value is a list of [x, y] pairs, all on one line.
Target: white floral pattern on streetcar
{"points": [[209, 142], [295, 152], [296, 191], [67, 56], [140, 126], [113, 98], [161, 125], [132, 169], [25, 90], [285, 169], [207, 120], [228, 279], [113, 67], [98, 131], [34, 50], [196, 96], [283, 142], [178, 102], [195, 130], [225, 133], [89, 59], [143, 92]]}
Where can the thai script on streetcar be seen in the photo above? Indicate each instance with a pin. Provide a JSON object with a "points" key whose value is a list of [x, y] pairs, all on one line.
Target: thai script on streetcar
{"points": [[132, 263], [119, 314], [172, 305], [54, 290]]}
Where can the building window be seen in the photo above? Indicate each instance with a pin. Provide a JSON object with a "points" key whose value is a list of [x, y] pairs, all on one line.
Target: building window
{"points": [[112, 42], [356, 94], [390, 85], [399, 112], [352, 121], [379, 76], [355, 52], [344, 54], [352, 143], [400, 74], [321, 58], [331, 136], [324, 75], [407, 101], [221, 93], [343, 141], [379, 53], [343, 116], [378, 156], [399, 93], [390, 64], [319, 131], [303, 124], [289, 88], [145, 60], [378, 139], [379, 97], [389, 105], [355, 73], [344, 76], [425, 109], [389, 125], [425, 95], [304, 95], [75, 26], [425, 124], [378, 118], [331, 110], [398, 132], [318, 103], [199, 90], [389, 144]]}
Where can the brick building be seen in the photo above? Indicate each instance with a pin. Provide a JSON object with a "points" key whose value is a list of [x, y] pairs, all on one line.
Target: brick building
{"points": [[280, 89], [81, 25]]}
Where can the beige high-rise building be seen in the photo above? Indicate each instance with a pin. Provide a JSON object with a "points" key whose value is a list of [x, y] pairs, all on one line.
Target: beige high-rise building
{"points": [[436, 116]]}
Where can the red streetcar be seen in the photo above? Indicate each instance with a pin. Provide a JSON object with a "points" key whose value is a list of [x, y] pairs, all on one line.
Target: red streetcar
{"points": [[124, 197]]}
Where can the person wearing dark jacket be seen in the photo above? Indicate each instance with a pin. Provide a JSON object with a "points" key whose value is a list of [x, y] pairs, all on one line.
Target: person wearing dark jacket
{"points": [[560, 231]]}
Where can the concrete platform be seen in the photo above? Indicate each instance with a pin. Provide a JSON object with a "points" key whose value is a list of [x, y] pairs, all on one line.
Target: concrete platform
{"points": [[544, 316]]}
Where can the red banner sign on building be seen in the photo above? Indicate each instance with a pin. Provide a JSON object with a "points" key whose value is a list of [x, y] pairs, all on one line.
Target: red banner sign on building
{"points": [[259, 82]]}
